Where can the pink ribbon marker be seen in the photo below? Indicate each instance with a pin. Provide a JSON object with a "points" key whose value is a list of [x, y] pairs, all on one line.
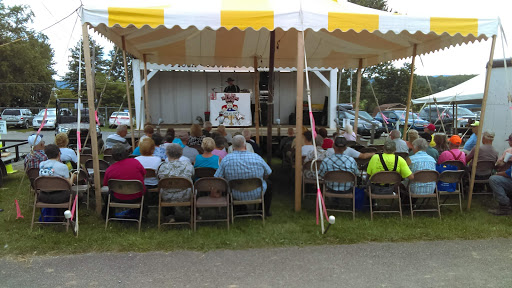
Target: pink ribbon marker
{"points": [[384, 118], [42, 122], [78, 140], [18, 210], [97, 120], [319, 193], [312, 123], [73, 208]]}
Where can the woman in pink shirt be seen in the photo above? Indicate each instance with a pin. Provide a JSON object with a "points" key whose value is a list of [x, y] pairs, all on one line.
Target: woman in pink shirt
{"points": [[220, 150], [454, 153]]}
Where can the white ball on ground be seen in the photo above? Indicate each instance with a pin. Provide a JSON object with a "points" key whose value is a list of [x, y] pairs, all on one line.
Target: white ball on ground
{"points": [[332, 219], [67, 214]]}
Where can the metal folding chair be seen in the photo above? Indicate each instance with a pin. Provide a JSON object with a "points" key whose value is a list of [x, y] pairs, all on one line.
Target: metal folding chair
{"points": [[179, 184], [244, 186], [391, 178], [341, 177], [51, 184], [425, 176], [126, 187], [205, 186]]}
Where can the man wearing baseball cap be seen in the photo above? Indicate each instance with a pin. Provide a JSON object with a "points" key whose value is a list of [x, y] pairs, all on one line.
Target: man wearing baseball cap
{"points": [[486, 153], [501, 160], [339, 162], [454, 153], [471, 143], [501, 185], [36, 155], [430, 129], [231, 88]]}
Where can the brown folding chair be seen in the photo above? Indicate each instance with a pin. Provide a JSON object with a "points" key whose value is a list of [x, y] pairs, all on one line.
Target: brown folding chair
{"points": [[341, 177], [198, 148], [425, 176], [378, 147], [83, 186], [244, 186], [86, 150], [103, 164], [180, 184], [32, 174], [486, 170], [457, 163], [452, 176], [368, 150], [51, 184], [109, 159], [306, 169], [84, 158], [362, 165], [203, 172], [404, 155], [206, 185], [504, 167], [126, 187], [391, 178], [107, 151]]}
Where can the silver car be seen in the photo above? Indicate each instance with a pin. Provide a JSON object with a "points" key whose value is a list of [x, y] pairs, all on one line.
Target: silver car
{"points": [[51, 118], [17, 117]]}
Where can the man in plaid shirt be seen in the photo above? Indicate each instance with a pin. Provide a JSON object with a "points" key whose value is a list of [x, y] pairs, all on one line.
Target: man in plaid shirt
{"points": [[242, 164], [339, 162], [36, 155]]}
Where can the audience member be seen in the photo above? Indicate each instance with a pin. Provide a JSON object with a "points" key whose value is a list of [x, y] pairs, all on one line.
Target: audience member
{"points": [[349, 134], [175, 168], [118, 138], [501, 160], [66, 154], [430, 150], [148, 132], [349, 151], [222, 131], [159, 149], [321, 153], [196, 136], [501, 185], [486, 153], [328, 142], [454, 153], [248, 146], [207, 128], [54, 167], [412, 135], [287, 141], [441, 141], [420, 160], [149, 160], [472, 139], [244, 165], [388, 161], [429, 129], [247, 135], [220, 149], [188, 152], [401, 145], [207, 159], [339, 162], [36, 154], [308, 143]]}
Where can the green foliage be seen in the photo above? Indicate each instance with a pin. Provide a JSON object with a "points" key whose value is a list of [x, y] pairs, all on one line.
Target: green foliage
{"points": [[440, 83], [375, 4], [25, 62]]}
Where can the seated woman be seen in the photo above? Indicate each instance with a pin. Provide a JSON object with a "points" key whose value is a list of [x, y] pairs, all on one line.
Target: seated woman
{"points": [[124, 169], [196, 135], [220, 148], [207, 159], [222, 131], [149, 161], [54, 167], [148, 132], [66, 154], [349, 134], [159, 151], [412, 135], [175, 167]]}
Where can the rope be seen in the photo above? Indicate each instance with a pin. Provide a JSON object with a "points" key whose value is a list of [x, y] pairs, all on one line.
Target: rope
{"points": [[378, 106]]}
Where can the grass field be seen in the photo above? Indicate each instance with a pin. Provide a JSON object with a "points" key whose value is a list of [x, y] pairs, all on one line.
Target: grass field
{"points": [[284, 228]]}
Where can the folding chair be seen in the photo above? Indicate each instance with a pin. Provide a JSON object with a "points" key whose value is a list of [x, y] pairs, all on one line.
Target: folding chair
{"points": [[84, 158], [457, 163], [368, 150], [102, 163], [244, 186], [51, 184], [487, 168], [179, 184], [206, 185], [425, 176], [378, 147], [391, 178], [126, 187], [306, 169], [151, 173], [32, 174], [362, 165], [107, 151], [452, 176], [341, 177], [83, 186], [198, 148], [203, 172], [404, 155], [109, 159]]}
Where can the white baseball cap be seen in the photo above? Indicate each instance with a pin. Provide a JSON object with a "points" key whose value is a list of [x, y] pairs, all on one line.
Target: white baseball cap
{"points": [[34, 139]]}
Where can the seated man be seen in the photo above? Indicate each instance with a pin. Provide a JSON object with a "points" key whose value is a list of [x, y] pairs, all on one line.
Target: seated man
{"points": [[387, 161], [118, 138], [454, 153], [53, 167], [420, 160], [501, 160], [248, 146], [349, 151], [255, 147], [486, 153], [308, 143], [471, 143], [287, 141], [124, 169], [207, 129], [36, 155], [431, 151], [320, 152], [501, 185], [339, 162], [242, 164], [401, 145]]}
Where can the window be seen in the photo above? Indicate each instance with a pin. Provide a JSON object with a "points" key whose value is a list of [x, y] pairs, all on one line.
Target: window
{"points": [[11, 112]]}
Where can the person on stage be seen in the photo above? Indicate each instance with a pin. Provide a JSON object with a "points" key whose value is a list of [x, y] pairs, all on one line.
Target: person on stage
{"points": [[231, 88]]}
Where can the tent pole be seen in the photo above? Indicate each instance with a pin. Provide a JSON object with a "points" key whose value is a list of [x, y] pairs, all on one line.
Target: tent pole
{"points": [[481, 126], [270, 102], [257, 99], [358, 95], [456, 118], [128, 95], [409, 94], [146, 92], [89, 78], [298, 123]]}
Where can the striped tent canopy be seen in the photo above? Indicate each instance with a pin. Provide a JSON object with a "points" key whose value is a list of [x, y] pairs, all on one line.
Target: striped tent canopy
{"points": [[233, 32]]}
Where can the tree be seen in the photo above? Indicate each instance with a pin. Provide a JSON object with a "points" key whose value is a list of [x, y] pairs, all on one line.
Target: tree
{"points": [[25, 60], [117, 73], [99, 64]]}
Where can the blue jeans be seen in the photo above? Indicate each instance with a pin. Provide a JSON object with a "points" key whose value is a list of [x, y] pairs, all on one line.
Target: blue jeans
{"points": [[501, 186]]}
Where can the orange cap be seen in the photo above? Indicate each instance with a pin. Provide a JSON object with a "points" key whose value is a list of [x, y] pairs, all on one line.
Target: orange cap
{"points": [[455, 140]]}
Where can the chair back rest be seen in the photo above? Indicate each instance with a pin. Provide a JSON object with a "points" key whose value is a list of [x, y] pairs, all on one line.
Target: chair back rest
{"points": [[109, 159], [150, 173], [386, 177], [178, 183], [351, 143], [103, 164], [211, 183], [361, 163], [202, 172], [88, 163], [86, 150], [32, 174], [83, 176], [245, 185], [456, 163], [340, 177], [107, 151], [368, 150], [307, 166], [198, 148], [485, 167], [84, 158], [102, 177], [404, 155], [51, 184], [379, 147], [451, 176], [125, 186], [426, 176]]}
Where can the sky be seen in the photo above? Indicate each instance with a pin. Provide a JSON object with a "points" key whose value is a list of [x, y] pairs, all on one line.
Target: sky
{"points": [[465, 59]]}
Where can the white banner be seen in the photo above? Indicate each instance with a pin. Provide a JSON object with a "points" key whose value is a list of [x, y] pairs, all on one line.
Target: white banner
{"points": [[230, 109], [3, 127]]}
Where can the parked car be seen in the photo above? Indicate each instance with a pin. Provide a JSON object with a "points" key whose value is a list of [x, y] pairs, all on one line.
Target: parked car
{"points": [[414, 121], [17, 117], [437, 116], [464, 115], [51, 119], [119, 118], [364, 125]]}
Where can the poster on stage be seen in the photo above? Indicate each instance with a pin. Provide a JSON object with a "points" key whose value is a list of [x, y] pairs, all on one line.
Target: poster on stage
{"points": [[231, 109]]}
